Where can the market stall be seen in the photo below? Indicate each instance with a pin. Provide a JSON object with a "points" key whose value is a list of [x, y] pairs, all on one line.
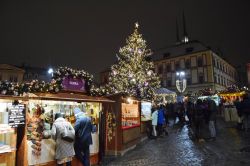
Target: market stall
{"points": [[123, 131], [12, 120], [164, 96], [69, 89], [41, 108], [215, 98], [230, 111]]}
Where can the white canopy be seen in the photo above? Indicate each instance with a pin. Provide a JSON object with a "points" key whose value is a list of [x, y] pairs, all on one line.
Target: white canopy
{"points": [[164, 91]]}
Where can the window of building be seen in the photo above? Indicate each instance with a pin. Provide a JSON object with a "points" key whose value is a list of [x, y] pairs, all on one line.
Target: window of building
{"points": [[177, 65], [29, 76], [162, 83], [201, 79], [200, 61], [11, 79], [160, 69], [169, 83], [15, 79], [166, 55], [168, 67], [189, 49], [187, 64], [189, 81], [215, 79]]}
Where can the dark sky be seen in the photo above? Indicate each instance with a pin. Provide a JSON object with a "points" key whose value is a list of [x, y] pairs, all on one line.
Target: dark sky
{"points": [[87, 34]]}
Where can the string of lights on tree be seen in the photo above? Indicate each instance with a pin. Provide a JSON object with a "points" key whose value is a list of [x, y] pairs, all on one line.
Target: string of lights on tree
{"points": [[133, 75]]}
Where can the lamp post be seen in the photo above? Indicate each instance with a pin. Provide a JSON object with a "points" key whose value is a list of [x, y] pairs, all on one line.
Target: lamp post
{"points": [[181, 82], [50, 71]]}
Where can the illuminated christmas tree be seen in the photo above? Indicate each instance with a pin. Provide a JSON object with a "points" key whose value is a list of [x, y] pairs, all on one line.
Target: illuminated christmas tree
{"points": [[133, 74]]}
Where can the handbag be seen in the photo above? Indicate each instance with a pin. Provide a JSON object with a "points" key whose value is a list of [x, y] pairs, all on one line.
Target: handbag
{"points": [[68, 134]]}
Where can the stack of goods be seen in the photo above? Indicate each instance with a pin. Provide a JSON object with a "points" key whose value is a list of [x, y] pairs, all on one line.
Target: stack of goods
{"points": [[48, 121], [35, 130]]}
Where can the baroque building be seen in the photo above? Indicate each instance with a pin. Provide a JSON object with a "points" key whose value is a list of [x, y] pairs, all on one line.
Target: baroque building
{"points": [[202, 67], [11, 73]]}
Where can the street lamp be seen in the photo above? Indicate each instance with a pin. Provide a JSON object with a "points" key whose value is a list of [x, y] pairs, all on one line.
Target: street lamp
{"points": [[50, 71], [181, 82]]}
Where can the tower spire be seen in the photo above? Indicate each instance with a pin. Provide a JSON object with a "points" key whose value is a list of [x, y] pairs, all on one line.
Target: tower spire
{"points": [[177, 32], [185, 35]]}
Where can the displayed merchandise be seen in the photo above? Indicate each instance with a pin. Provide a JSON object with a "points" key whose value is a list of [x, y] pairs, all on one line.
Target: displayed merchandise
{"points": [[130, 115], [41, 117]]}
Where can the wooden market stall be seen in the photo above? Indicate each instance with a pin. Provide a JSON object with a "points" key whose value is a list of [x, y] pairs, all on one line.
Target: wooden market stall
{"points": [[41, 107], [230, 112], [12, 122], [123, 125]]}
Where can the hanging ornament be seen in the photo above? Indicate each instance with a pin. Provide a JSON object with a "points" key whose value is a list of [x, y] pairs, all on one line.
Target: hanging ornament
{"points": [[149, 73]]}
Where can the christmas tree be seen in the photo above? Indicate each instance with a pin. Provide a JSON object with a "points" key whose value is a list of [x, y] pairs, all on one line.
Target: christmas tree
{"points": [[133, 74]]}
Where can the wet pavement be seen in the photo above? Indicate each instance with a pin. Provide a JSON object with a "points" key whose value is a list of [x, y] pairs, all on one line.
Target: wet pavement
{"points": [[231, 148]]}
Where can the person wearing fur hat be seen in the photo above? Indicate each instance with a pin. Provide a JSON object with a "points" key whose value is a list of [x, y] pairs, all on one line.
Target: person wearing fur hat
{"points": [[83, 138]]}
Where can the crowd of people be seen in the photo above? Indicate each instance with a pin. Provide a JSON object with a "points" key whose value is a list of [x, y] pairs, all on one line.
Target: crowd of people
{"points": [[198, 115]]}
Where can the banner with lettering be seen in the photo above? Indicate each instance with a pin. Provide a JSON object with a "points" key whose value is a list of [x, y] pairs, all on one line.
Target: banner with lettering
{"points": [[73, 84]]}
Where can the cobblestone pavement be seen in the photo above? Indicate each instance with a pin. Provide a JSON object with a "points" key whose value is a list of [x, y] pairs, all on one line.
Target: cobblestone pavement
{"points": [[179, 149]]}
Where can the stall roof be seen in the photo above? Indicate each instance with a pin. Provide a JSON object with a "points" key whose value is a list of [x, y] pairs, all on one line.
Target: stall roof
{"points": [[68, 97], [164, 91]]}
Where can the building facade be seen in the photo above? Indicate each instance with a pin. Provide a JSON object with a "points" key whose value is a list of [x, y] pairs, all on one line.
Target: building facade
{"points": [[248, 75], [203, 68], [11, 73], [36, 73]]}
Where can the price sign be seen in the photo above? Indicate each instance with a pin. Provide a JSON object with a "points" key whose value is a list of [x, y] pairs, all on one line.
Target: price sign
{"points": [[17, 115]]}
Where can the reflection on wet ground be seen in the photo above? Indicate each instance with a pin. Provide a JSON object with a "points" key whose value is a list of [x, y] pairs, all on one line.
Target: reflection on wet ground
{"points": [[179, 149]]}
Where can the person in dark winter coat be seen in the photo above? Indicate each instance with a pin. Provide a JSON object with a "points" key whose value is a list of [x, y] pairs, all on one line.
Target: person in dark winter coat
{"points": [[161, 120], [83, 129], [199, 118], [212, 111], [64, 150], [246, 110], [238, 105]]}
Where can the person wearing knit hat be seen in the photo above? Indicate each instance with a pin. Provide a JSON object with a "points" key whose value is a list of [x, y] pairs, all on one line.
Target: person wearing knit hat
{"points": [[83, 129]]}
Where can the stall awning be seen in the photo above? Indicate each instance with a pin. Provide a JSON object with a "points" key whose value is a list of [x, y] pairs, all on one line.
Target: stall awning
{"points": [[68, 97], [232, 93], [164, 91]]}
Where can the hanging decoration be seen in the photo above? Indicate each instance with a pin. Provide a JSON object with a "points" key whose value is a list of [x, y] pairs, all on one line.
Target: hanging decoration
{"points": [[19, 89], [181, 85]]}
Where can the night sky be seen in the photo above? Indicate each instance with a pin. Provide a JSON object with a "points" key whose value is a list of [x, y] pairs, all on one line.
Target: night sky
{"points": [[88, 34]]}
